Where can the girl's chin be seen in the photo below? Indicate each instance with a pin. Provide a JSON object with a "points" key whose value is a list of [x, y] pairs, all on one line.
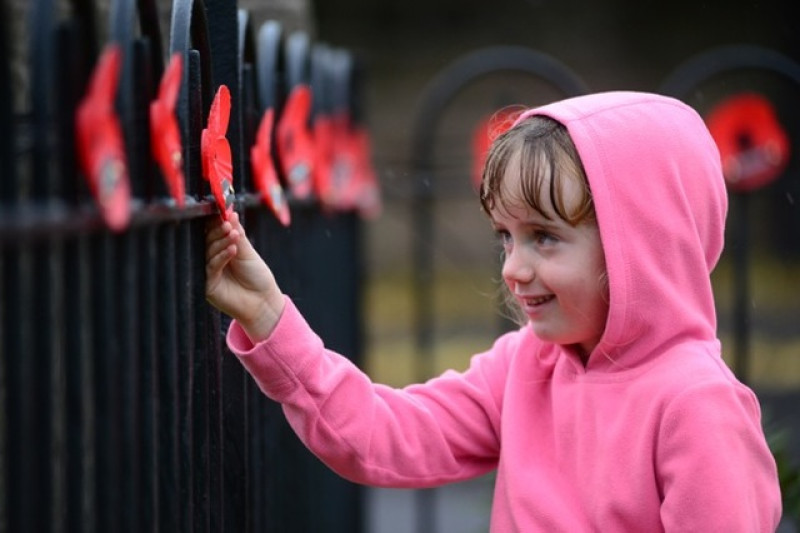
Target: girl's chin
{"points": [[546, 333]]}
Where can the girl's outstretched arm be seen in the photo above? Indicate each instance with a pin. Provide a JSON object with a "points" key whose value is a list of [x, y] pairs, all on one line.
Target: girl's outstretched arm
{"points": [[366, 432], [238, 281]]}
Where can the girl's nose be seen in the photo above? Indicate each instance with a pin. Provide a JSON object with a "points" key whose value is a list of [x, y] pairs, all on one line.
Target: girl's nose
{"points": [[518, 268]]}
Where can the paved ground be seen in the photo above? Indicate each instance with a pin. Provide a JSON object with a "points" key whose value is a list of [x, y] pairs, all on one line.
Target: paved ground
{"points": [[462, 508]]}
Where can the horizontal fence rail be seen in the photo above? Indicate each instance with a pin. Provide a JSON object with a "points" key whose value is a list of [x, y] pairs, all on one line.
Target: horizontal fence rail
{"points": [[120, 407]]}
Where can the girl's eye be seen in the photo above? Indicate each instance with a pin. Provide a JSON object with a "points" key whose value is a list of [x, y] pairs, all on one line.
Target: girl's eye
{"points": [[544, 238], [504, 237]]}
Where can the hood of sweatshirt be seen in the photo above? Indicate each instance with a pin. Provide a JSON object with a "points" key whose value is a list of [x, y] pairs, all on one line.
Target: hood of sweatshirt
{"points": [[656, 179]]}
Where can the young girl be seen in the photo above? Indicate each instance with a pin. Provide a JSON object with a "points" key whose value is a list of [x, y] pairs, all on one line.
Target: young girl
{"points": [[611, 409]]}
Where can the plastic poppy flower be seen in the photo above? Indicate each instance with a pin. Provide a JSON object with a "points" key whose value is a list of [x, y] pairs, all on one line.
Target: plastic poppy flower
{"points": [[265, 176], [295, 144], [325, 150], [485, 133], [216, 152], [165, 137], [345, 178], [753, 146], [324, 147], [101, 150]]}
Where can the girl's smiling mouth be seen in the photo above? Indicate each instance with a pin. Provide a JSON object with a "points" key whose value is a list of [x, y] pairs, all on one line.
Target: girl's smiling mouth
{"points": [[534, 303]]}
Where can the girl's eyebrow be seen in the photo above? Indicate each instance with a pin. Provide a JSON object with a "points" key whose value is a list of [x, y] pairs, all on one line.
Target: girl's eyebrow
{"points": [[541, 222], [495, 225]]}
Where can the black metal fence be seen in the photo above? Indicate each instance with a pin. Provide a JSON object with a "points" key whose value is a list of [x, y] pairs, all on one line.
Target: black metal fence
{"points": [[120, 409]]}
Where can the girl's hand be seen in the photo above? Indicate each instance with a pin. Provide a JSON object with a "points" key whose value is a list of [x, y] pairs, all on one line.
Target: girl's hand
{"points": [[238, 281]]}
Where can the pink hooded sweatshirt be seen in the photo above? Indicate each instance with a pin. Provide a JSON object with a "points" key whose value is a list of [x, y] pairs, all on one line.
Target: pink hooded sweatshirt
{"points": [[653, 434]]}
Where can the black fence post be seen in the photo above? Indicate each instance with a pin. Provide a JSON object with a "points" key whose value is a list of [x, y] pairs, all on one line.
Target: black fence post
{"points": [[120, 408]]}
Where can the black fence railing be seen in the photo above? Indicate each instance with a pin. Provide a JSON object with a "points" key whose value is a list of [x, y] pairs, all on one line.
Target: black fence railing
{"points": [[120, 409]]}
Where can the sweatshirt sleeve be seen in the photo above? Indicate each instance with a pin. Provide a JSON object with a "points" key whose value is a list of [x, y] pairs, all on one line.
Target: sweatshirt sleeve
{"points": [[716, 472], [424, 435]]}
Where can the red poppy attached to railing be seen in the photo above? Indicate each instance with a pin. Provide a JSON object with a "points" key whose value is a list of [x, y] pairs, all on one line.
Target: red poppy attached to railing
{"points": [[265, 176], [217, 161], [324, 132], [366, 191], [101, 149], [753, 146], [487, 130], [165, 137], [295, 145], [343, 175]]}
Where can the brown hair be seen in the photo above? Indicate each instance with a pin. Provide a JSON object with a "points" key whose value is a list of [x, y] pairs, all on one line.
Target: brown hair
{"points": [[546, 154]]}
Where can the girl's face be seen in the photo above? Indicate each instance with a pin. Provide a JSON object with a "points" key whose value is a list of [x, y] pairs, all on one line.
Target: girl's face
{"points": [[553, 269]]}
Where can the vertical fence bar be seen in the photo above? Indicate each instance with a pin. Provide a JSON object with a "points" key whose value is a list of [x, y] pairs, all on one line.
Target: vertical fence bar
{"points": [[137, 95], [213, 367], [36, 282], [190, 107], [56, 290], [226, 374], [23, 475], [7, 162], [186, 350], [199, 392], [131, 264], [76, 48], [80, 373], [166, 294], [148, 379], [107, 380], [29, 376], [257, 503], [261, 508], [189, 36], [203, 506]]}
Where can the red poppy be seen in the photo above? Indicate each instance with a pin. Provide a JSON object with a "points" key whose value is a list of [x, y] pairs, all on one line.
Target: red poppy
{"points": [[485, 133], [264, 173], [100, 144], [324, 144], [216, 152], [346, 180], [753, 146], [368, 199], [295, 144], [165, 137]]}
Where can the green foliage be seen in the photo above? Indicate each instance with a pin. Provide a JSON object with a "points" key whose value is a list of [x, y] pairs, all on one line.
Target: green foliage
{"points": [[788, 470]]}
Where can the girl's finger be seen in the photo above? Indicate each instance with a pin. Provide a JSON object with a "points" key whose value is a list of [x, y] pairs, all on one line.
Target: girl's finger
{"points": [[219, 260], [216, 229], [215, 246]]}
